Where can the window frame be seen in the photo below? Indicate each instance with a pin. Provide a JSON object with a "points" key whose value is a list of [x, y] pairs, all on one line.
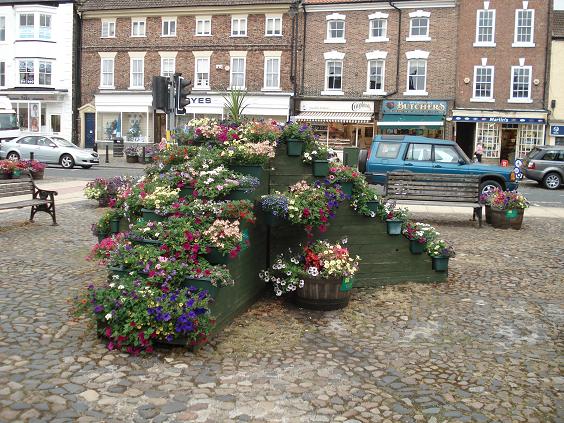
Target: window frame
{"points": [[376, 91], [512, 98], [46, 64], [266, 73], [33, 32], [102, 73], [424, 90], [327, 75], [446, 147], [167, 59], [111, 23], [239, 19], [329, 38], [196, 72], [133, 74], [379, 38], [409, 148], [231, 72], [168, 20], [531, 42], [48, 16], [477, 42], [491, 98], [274, 19], [2, 28], [2, 73], [138, 21], [203, 20], [26, 72], [419, 37]]}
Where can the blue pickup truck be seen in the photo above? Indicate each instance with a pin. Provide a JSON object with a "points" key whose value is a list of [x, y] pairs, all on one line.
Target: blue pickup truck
{"points": [[428, 155]]}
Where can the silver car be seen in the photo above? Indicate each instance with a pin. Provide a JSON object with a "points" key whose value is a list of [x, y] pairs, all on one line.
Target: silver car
{"points": [[48, 149], [545, 164]]}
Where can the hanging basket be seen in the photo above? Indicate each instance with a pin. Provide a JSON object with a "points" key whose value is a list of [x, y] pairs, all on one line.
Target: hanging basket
{"points": [[251, 170], [320, 168], [201, 283], [373, 205], [440, 264], [347, 187], [416, 247], [114, 226], [324, 294], [294, 147], [271, 220], [393, 226]]}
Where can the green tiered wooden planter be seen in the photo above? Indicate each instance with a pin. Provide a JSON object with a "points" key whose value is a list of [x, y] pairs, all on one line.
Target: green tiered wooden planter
{"points": [[150, 215], [385, 259], [252, 170], [320, 168], [415, 247], [202, 283], [241, 194], [294, 147], [186, 192]]}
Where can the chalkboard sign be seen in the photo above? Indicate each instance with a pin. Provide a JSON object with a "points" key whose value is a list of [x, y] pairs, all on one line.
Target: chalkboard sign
{"points": [[118, 147]]}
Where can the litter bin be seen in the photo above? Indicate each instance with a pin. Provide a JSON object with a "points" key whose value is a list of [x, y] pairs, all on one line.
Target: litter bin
{"points": [[350, 156], [118, 147]]}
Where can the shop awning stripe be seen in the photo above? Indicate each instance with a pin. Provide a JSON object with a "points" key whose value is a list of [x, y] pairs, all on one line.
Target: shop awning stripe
{"points": [[342, 117]]}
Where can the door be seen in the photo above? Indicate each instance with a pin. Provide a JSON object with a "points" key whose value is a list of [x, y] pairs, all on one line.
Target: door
{"points": [[419, 159], [465, 135], [447, 160], [89, 128]]}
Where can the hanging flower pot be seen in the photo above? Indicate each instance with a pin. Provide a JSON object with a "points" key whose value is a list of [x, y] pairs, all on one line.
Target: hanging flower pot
{"points": [[294, 147], [320, 168], [347, 187], [416, 247], [393, 226], [373, 205], [216, 257], [324, 294], [150, 215], [17, 173], [203, 284], [440, 264], [252, 170], [114, 226]]}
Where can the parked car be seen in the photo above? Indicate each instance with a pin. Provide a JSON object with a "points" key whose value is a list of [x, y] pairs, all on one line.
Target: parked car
{"points": [[428, 155], [49, 149], [545, 164]]}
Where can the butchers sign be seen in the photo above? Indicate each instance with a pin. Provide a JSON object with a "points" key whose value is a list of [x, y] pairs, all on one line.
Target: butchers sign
{"points": [[406, 107]]}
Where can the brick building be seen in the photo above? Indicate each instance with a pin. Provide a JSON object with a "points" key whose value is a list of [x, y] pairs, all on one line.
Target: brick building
{"points": [[500, 84], [556, 83], [218, 45], [377, 66]]}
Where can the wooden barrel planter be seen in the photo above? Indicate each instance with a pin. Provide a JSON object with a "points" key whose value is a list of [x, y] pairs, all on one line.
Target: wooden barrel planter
{"points": [[252, 170], [320, 168], [505, 219], [324, 294]]}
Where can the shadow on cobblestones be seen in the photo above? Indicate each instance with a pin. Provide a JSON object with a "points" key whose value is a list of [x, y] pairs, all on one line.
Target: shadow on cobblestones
{"points": [[485, 346]]}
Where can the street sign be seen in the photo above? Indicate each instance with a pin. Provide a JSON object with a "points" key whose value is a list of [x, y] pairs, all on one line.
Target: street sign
{"points": [[557, 130]]}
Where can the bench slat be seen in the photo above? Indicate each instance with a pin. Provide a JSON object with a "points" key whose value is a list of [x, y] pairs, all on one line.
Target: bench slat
{"points": [[23, 203], [435, 183], [436, 198], [17, 187], [14, 193], [435, 203]]}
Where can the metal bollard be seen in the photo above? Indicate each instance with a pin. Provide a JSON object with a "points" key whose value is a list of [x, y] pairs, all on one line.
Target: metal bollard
{"points": [[143, 153], [31, 155], [107, 153]]}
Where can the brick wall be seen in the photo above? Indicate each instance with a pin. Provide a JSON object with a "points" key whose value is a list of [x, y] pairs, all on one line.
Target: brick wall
{"points": [[503, 56], [184, 43], [441, 65]]}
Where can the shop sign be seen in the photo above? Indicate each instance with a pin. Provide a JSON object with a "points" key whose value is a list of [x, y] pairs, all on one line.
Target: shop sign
{"points": [[497, 119], [192, 101], [557, 130], [406, 107], [337, 106]]}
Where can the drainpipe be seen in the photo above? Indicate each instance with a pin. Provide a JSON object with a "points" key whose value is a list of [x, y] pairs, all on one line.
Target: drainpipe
{"points": [[77, 94], [303, 49], [398, 48], [547, 76], [294, 8]]}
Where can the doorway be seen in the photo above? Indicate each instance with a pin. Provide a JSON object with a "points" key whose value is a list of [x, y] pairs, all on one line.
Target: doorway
{"points": [[508, 142], [465, 136], [160, 127], [89, 130]]}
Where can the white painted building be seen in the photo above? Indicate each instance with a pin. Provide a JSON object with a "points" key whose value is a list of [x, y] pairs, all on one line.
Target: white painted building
{"points": [[36, 64]]}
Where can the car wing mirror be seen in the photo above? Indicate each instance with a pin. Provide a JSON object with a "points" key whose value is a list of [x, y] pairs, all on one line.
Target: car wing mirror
{"points": [[53, 145], [461, 161]]}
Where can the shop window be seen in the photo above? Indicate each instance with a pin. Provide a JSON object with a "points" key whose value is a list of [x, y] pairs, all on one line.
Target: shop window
{"points": [[107, 80], [488, 134], [238, 26], [137, 73], [417, 75], [238, 72], [375, 75], [2, 28], [485, 28], [203, 25], [202, 72], [56, 123], [108, 28], [168, 66], [27, 25], [168, 27], [529, 137], [520, 83], [334, 75], [271, 72], [273, 26], [44, 73], [45, 27], [419, 152], [2, 74], [108, 126], [483, 82], [134, 127], [524, 28], [27, 72], [388, 150], [138, 27]]}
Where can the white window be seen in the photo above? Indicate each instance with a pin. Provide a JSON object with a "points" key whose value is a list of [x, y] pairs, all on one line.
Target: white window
{"points": [[488, 134], [524, 28], [376, 75], [203, 25], [44, 72], [483, 83], [108, 28], [203, 72], [238, 26], [528, 137], [419, 26], [273, 26], [168, 27], [335, 31], [27, 26], [2, 74], [238, 65], [137, 71], [334, 75], [378, 29], [2, 28], [137, 27], [271, 73], [485, 28], [168, 66], [417, 76], [26, 71], [520, 84], [45, 26], [107, 74]]}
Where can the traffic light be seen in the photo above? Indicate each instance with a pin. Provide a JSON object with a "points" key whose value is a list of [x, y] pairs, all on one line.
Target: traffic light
{"points": [[160, 93], [182, 91]]}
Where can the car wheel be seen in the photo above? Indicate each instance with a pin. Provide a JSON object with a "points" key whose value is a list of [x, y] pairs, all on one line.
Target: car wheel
{"points": [[67, 161], [362, 157], [13, 156], [552, 180], [86, 167], [489, 185]]}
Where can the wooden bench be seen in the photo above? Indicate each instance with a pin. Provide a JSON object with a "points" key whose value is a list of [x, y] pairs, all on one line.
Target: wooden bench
{"points": [[41, 200], [435, 189]]}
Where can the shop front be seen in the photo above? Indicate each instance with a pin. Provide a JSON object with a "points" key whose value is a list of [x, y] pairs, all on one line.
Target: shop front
{"points": [[504, 135], [557, 133], [340, 123], [413, 117], [127, 117]]}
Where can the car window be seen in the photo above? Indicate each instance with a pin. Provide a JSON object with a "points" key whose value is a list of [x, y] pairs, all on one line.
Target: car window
{"points": [[387, 150], [44, 142], [446, 154], [28, 140], [419, 152], [561, 156], [550, 155]]}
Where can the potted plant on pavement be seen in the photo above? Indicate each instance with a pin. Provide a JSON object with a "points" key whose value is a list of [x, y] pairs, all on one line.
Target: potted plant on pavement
{"points": [[320, 275], [131, 154], [224, 240], [440, 252], [295, 135], [318, 156], [507, 209]]}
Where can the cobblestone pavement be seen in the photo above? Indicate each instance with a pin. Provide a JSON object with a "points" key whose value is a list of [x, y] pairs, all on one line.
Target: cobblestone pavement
{"points": [[485, 346]]}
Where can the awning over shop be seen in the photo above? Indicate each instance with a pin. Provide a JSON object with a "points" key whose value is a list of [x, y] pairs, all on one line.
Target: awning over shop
{"points": [[343, 117], [412, 121]]}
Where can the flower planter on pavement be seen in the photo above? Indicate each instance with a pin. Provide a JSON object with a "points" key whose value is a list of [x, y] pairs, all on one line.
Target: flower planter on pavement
{"points": [[131, 159], [440, 264], [505, 219], [324, 294]]}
